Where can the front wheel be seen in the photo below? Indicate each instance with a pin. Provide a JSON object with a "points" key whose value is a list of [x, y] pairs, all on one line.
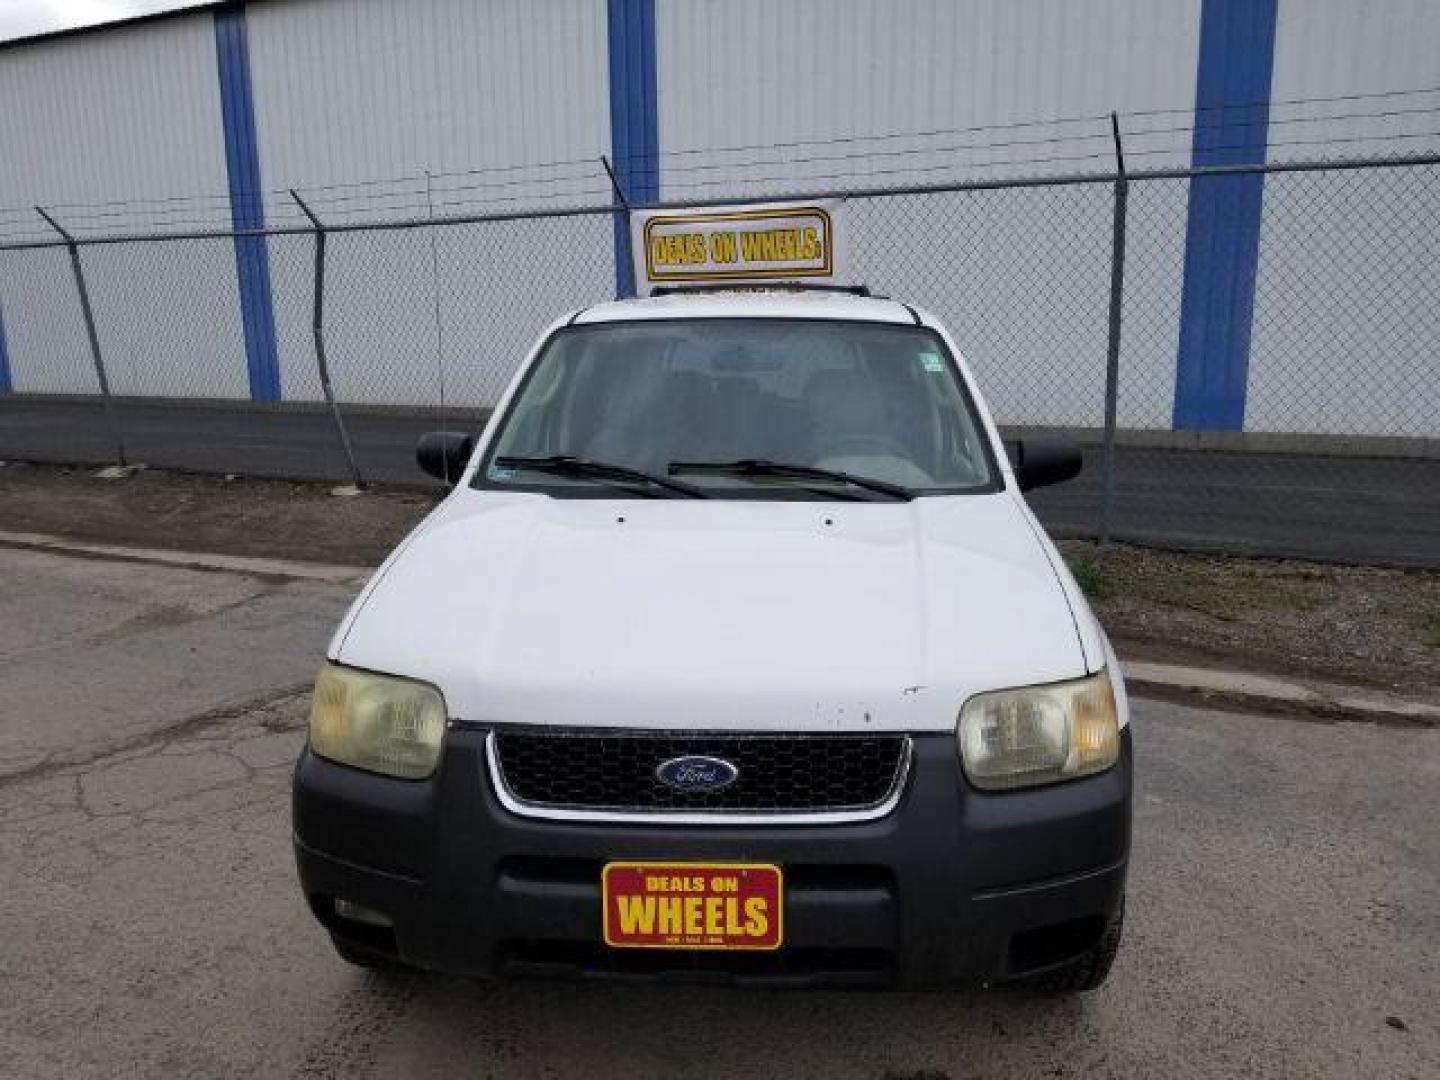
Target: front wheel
{"points": [[1088, 971]]}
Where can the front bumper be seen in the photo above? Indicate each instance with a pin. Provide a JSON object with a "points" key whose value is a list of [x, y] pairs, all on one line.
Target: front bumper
{"points": [[954, 887]]}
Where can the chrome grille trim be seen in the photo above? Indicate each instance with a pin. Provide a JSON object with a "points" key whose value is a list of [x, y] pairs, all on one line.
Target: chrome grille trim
{"points": [[870, 812]]}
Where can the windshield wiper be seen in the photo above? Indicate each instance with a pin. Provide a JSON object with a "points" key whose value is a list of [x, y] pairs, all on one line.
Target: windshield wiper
{"points": [[762, 467], [570, 465]]}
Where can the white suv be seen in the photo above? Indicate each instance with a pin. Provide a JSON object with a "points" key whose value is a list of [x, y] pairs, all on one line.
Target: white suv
{"points": [[734, 652]]}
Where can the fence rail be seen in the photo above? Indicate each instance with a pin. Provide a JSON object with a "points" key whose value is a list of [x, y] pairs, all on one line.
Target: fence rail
{"points": [[1088, 302]]}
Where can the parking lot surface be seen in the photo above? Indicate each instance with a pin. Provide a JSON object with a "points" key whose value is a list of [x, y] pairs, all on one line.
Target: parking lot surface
{"points": [[1284, 914]]}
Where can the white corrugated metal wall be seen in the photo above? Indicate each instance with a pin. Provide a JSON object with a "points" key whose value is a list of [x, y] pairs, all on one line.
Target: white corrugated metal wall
{"points": [[1345, 340], [506, 104], [1021, 277], [389, 90], [102, 129]]}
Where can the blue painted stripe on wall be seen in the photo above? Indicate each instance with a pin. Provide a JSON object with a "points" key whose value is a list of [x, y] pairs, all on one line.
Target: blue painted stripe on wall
{"points": [[242, 162], [1222, 241], [634, 119], [6, 385]]}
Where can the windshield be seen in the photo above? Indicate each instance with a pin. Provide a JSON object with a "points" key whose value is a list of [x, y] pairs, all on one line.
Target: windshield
{"points": [[683, 398]]}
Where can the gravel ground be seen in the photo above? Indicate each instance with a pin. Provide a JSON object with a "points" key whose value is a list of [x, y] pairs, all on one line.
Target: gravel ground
{"points": [[197, 512], [1339, 623]]}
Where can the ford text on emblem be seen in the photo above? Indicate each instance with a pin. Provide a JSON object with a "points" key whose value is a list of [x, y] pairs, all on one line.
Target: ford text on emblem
{"points": [[697, 774]]}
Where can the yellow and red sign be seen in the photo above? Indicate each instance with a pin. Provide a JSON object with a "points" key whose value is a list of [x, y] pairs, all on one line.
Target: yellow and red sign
{"points": [[771, 242], [687, 905]]}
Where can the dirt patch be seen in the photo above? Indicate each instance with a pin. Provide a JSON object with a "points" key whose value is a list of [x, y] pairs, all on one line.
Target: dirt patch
{"points": [[1338, 623], [193, 512], [1342, 624]]}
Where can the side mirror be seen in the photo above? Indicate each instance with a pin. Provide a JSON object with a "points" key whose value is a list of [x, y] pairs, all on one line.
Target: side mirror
{"points": [[444, 454], [1046, 459]]}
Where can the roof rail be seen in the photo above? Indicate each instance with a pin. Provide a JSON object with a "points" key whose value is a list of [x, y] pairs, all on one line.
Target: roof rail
{"points": [[760, 286]]}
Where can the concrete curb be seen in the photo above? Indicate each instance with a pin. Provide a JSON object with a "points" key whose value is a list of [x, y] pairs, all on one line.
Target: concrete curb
{"points": [[1211, 686], [1332, 701], [192, 560]]}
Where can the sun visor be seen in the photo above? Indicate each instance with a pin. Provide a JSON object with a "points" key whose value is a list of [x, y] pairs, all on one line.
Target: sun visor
{"points": [[751, 244]]}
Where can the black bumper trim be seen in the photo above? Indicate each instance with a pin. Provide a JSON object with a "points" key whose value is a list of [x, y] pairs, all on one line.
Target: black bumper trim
{"points": [[932, 894], [305, 851], [1049, 883]]}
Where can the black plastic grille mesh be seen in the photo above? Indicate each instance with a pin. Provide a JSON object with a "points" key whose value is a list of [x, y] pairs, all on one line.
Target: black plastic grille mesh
{"points": [[778, 774]]}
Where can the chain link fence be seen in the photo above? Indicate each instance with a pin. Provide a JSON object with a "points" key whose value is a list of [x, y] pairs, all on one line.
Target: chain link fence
{"points": [[1336, 455]]}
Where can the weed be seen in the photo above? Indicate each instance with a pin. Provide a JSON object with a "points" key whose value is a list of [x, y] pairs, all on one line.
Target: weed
{"points": [[1094, 580], [1430, 628]]}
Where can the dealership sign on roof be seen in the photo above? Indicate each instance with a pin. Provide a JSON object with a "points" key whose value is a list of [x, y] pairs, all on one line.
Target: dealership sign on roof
{"points": [[756, 243]]}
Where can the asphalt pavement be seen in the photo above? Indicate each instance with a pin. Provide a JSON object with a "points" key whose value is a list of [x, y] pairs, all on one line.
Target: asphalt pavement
{"points": [[1382, 511], [1283, 919]]}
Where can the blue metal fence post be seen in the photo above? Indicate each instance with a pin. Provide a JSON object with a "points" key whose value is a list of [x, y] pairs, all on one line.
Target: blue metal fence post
{"points": [[6, 383], [1222, 242], [634, 120], [247, 212]]}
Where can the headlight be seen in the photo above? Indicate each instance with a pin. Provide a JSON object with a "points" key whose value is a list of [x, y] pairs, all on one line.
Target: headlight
{"points": [[377, 722], [1039, 734]]}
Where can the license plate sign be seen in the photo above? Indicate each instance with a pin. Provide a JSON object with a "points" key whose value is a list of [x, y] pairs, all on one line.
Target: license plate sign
{"points": [[693, 905]]}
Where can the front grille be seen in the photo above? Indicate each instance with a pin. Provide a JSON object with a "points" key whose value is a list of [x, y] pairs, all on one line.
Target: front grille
{"points": [[778, 774]]}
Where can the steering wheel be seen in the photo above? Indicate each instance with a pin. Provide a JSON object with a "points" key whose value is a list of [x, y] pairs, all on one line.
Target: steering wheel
{"points": [[865, 445]]}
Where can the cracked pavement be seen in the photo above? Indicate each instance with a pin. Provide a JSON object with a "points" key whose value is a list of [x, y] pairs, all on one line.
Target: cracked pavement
{"points": [[1284, 916]]}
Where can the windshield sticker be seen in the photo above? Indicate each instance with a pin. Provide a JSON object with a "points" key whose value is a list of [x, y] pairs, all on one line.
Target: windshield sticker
{"points": [[501, 472], [931, 362]]}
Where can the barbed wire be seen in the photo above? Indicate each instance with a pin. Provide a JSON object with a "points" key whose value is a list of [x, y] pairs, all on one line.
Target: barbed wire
{"points": [[1329, 141], [369, 197]]}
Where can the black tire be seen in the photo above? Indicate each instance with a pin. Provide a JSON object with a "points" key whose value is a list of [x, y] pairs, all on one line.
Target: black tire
{"points": [[364, 958], [1087, 971]]}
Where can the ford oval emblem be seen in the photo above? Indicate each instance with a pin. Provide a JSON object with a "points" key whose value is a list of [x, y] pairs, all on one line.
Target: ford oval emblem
{"points": [[696, 774]]}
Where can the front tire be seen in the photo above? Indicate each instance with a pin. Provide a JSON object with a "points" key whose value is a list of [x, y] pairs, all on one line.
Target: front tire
{"points": [[364, 958], [1086, 972]]}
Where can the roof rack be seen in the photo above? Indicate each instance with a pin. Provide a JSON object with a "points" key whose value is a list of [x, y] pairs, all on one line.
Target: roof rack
{"points": [[760, 286]]}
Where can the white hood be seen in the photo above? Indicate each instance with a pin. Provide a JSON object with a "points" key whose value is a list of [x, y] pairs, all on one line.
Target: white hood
{"points": [[718, 614]]}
